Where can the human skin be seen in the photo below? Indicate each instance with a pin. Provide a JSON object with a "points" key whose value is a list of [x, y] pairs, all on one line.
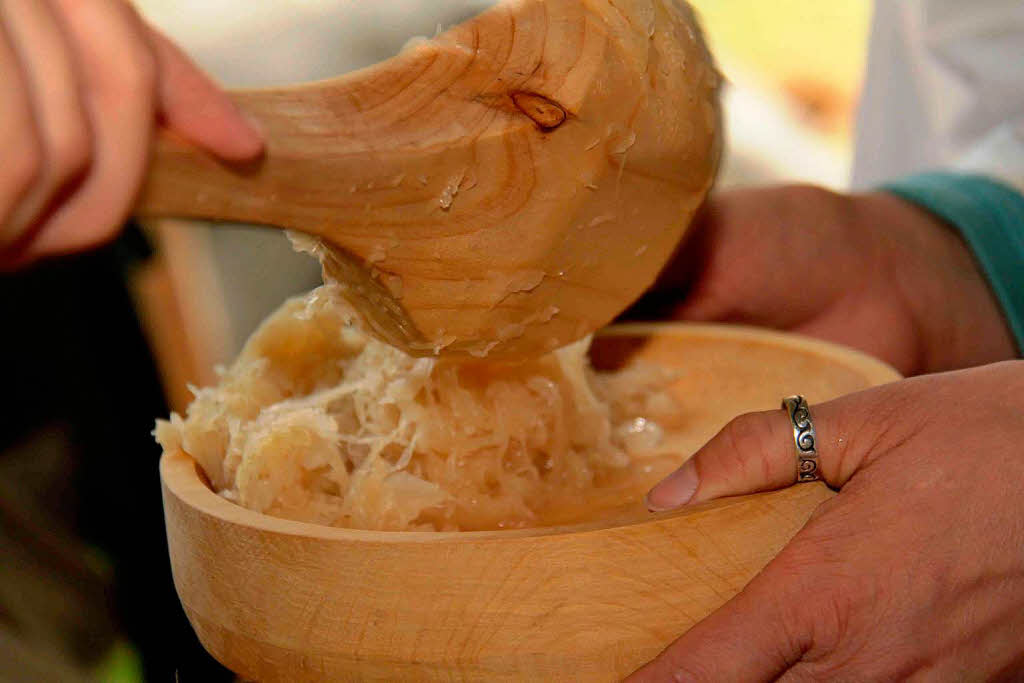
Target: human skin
{"points": [[915, 570], [869, 271], [84, 85]]}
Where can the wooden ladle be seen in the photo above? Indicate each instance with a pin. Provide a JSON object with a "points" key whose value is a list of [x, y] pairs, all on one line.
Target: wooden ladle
{"points": [[506, 187]]}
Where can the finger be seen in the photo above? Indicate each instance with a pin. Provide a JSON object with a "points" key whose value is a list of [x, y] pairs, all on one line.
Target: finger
{"points": [[118, 78], [757, 452], [756, 636], [768, 256], [46, 60], [19, 140], [197, 109], [732, 256], [693, 276]]}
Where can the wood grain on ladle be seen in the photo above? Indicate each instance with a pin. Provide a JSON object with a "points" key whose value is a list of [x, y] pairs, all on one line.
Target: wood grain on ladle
{"points": [[506, 187]]}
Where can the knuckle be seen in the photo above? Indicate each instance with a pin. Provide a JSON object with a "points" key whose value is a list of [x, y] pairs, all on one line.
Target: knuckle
{"points": [[111, 31], [883, 420], [135, 74], [71, 151], [140, 76], [793, 606], [747, 439], [23, 165], [830, 615]]}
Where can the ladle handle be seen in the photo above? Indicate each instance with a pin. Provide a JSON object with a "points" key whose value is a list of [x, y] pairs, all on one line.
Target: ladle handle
{"points": [[187, 182], [293, 186]]}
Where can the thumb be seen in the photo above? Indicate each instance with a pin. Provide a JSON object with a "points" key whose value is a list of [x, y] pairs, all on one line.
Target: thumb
{"points": [[757, 452]]}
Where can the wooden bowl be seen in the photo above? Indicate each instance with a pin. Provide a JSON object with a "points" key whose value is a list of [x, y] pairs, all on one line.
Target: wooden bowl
{"points": [[277, 600]]}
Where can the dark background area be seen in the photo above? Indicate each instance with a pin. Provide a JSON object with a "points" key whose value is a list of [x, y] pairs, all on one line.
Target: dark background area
{"points": [[81, 525]]}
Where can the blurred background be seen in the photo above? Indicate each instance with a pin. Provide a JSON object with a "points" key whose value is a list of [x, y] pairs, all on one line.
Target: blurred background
{"points": [[98, 345]]}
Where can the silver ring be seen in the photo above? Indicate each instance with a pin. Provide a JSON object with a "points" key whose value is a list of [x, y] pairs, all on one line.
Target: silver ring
{"points": [[804, 438]]}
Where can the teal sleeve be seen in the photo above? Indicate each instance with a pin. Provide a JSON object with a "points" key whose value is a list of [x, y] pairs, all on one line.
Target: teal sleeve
{"points": [[990, 217]]}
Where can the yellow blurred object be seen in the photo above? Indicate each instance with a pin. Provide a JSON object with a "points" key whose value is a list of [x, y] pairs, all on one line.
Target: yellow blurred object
{"points": [[814, 52]]}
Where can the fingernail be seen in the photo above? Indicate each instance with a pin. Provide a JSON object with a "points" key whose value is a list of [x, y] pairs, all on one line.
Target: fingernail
{"points": [[675, 490]]}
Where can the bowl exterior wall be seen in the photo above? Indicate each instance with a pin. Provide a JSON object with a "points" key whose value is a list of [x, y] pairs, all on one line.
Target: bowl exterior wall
{"points": [[274, 605]]}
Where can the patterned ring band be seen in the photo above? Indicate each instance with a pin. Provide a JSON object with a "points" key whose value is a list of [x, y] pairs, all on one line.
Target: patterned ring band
{"points": [[804, 437]]}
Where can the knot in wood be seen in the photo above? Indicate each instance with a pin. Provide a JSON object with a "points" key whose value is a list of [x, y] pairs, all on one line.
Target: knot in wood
{"points": [[545, 113]]}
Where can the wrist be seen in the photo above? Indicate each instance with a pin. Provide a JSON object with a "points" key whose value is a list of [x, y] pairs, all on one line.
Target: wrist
{"points": [[957, 318], [989, 216]]}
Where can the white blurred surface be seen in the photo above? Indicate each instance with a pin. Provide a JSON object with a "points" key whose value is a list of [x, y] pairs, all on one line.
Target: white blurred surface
{"points": [[766, 143], [271, 42], [945, 89]]}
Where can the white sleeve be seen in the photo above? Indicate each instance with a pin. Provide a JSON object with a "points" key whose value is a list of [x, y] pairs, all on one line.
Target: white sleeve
{"points": [[944, 90]]}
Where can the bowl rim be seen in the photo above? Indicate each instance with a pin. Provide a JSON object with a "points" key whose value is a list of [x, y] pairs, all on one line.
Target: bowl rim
{"points": [[181, 477]]}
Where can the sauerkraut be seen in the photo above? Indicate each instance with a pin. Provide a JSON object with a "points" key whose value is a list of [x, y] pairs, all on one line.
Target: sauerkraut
{"points": [[316, 421]]}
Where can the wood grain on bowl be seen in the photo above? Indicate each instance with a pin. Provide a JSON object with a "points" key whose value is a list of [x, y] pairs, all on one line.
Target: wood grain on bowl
{"points": [[277, 600]]}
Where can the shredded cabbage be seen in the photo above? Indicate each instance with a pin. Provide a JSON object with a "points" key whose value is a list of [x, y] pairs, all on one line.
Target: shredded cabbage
{"points": [[315, 421]]}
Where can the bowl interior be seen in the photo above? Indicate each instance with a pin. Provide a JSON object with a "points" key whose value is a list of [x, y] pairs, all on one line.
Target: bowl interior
{"points": [[719, 372]]}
